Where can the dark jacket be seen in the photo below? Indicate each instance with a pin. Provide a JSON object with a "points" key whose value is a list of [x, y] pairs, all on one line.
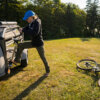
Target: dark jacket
{"points": [[35, 31]]}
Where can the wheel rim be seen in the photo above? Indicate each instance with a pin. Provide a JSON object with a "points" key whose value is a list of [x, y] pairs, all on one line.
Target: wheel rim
{"points": [[86, 64]]}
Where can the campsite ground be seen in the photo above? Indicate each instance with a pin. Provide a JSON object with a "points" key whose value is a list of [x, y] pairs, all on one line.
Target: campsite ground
{"points": [[64, 81]]}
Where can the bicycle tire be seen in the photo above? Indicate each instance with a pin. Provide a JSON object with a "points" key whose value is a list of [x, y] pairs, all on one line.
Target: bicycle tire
{"points": [[87, 60]]}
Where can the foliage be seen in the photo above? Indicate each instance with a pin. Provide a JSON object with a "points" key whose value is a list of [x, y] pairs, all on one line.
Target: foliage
{"points": [[92, 19], [59, 20]]}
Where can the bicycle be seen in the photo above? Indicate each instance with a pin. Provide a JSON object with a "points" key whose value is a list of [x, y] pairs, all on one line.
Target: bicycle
{"points": [[89, 65], [13, 51]]}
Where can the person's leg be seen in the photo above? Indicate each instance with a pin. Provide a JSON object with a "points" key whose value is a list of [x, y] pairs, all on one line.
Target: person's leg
{"points": [[21, 47], [42, 55]]}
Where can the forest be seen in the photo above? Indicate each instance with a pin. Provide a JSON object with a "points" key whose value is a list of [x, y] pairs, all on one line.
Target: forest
{"points": [[59, 20]]}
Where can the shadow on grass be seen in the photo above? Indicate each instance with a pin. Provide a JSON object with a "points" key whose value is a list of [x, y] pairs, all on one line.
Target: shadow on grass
{"points": [[30, 88], [95, 76], [85, 39], [14, 71], [98, 38]]}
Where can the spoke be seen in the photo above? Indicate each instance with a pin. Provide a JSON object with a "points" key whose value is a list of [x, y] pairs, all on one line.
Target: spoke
{"points": [[87, 64]]}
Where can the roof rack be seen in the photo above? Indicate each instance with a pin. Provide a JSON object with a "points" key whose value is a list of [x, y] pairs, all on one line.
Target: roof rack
{"points": [[7, 23]]}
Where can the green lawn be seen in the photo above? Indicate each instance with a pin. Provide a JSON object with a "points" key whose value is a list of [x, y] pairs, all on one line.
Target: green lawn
{"points": [[64, 81]]}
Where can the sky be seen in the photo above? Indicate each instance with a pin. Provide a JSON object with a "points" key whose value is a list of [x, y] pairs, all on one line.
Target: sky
{"points": [[80, 3]]}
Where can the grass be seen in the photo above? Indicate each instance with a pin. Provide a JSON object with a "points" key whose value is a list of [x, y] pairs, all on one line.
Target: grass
{"points": [[64, 81]]}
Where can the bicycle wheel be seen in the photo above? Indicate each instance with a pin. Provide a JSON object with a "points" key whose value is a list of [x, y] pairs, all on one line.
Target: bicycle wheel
{"points": [[86, 64]]}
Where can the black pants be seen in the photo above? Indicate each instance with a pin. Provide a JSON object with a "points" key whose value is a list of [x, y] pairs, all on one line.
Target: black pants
{"points": [[28, 44]]}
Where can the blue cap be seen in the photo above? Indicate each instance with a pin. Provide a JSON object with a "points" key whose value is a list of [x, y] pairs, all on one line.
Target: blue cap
{"points": [[28, 14]]}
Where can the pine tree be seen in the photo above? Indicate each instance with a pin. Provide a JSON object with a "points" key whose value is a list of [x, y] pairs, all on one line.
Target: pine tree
{"points": [[57, 1], [88, 4], [92, 16]]}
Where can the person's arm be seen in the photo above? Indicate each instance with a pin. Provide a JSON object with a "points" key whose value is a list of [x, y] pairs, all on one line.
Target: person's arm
{"points": [[34, 31], [25, 28]]}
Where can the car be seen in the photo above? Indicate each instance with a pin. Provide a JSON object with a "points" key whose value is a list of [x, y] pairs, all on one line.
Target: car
{"points": [[10, 37]]}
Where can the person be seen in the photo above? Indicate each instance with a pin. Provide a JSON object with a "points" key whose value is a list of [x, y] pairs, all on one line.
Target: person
{"points": [[34, 30]]}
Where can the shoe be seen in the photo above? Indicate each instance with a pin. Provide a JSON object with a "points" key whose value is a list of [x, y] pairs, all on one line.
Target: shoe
{"points": [[47, 74], [48, 70], [10, 63]]}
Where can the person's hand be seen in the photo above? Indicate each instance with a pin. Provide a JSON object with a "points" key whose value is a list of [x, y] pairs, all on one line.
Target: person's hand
{"points": [[20, 30]]}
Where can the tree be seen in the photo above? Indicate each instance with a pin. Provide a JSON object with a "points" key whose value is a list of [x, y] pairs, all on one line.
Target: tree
{"points": [[59, 20], [10, 5], [6, 4], [88, 4], [92, 16], [57, 1]]}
